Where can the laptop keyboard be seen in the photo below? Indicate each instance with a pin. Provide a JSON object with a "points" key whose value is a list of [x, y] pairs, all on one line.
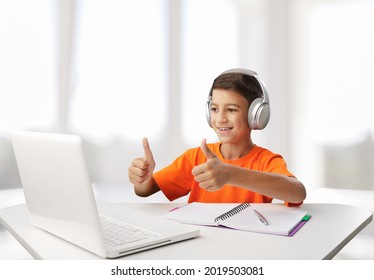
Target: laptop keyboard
{"points": [[119, 233]]}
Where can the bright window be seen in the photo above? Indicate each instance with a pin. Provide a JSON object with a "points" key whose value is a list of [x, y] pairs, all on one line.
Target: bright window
{"points": [[341, 71], [340, 121], [120, 67], [27, 67]]}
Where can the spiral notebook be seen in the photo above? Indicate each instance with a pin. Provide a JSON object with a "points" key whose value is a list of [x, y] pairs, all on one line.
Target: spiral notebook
{"points": [[282, 220]]}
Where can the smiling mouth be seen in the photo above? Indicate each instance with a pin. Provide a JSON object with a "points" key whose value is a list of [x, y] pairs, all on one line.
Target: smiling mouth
{"points": [[224, 128]]}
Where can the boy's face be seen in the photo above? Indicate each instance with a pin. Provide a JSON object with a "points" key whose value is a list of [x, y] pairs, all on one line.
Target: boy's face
{"points": [[229, 116]]}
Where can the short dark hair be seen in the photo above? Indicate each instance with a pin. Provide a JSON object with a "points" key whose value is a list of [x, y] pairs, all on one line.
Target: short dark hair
{"points": [[246, 85]]}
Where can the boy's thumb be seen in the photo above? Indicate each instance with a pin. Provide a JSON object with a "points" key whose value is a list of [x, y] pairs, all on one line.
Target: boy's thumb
{"points": [[148, 156], [207, 152]]}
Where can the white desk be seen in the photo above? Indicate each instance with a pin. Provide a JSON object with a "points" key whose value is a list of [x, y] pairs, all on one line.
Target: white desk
{"points": [[331, 227]]}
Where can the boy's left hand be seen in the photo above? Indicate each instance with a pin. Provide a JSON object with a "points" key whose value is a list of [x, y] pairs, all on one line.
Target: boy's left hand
{"points": [[211, 175]]}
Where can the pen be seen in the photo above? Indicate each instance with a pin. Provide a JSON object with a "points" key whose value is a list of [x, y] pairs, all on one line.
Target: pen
{"points": [[261, 218]]}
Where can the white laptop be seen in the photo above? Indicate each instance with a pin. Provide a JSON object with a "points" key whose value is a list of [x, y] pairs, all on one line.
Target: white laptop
{"points": [[60, 199]]}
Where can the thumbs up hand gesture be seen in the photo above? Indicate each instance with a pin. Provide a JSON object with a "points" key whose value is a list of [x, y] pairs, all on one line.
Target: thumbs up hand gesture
{"points": [[141, 169], [213, 174]]}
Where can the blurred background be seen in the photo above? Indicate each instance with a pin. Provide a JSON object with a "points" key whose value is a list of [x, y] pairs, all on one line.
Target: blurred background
{"points": [[114, 71]]}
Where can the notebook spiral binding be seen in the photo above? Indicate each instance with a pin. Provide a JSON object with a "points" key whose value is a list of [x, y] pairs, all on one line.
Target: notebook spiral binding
{"points": [[232, 212]]}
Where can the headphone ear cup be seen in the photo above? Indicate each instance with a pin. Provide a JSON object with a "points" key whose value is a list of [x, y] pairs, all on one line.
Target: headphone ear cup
{"points": [[258, 114], [207, 111]]}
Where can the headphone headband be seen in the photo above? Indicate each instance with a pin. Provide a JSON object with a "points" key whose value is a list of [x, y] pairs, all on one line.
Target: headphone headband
{"points": [[259, 109], [252, 74]]}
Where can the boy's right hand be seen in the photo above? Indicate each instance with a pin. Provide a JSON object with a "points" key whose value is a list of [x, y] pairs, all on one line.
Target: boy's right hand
{"points": [[141, 169]]}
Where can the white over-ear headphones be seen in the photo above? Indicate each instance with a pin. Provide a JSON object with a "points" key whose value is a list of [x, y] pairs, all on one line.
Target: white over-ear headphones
{"points": [[259, 110]]}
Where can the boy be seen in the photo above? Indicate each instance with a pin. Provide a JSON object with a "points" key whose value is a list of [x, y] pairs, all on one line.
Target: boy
{"points": [[233, 170]]}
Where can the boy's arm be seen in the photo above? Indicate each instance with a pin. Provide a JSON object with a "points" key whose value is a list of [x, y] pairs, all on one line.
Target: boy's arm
{"points": [[146, 188], [270, 184], [214, 174]]}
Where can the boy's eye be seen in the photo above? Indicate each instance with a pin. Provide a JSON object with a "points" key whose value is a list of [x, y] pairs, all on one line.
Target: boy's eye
{"points": [[232, 110], [213, 109]]}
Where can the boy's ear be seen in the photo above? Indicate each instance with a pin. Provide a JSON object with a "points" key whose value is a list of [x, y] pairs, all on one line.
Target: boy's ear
{"points": [[258, 114]]}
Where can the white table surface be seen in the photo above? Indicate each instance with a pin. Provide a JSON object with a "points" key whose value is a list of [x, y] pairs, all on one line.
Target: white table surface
{"points": [[331, 227]]}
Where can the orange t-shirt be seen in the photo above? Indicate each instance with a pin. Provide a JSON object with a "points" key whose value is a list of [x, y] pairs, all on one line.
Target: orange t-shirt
{"points": [[176, 180]]}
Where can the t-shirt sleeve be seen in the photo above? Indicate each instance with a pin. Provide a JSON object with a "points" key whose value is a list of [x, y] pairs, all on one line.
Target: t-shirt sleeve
{"points": [[275, 163]]}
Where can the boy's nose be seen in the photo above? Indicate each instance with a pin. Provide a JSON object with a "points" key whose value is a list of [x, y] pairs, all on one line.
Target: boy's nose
{"points": [[222, 117]]}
